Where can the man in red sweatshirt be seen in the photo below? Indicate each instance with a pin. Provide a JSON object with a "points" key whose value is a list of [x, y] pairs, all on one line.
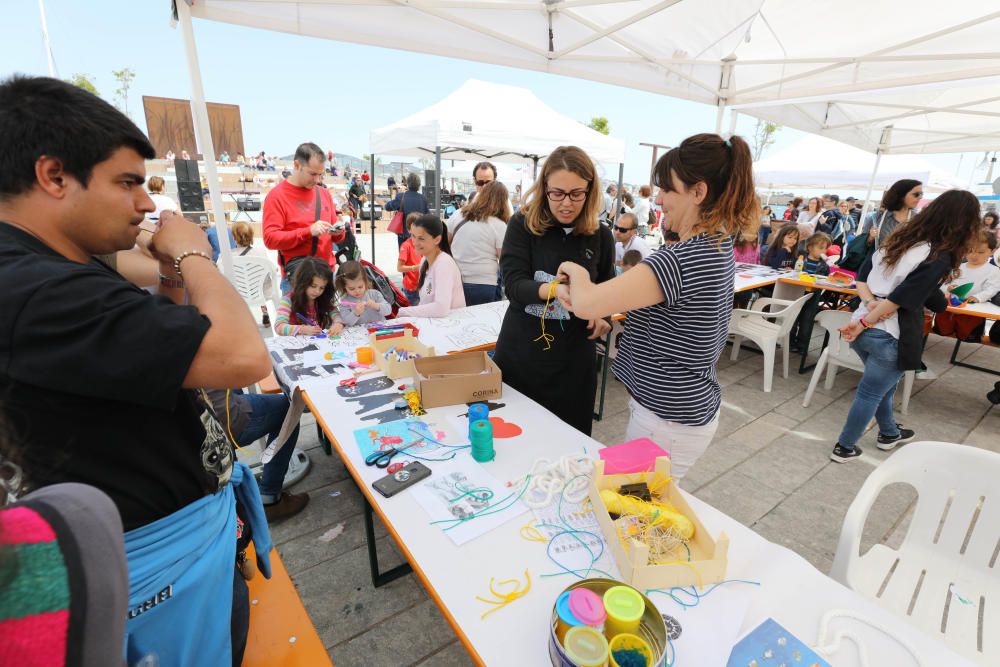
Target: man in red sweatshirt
{"points": [[299, 214]]}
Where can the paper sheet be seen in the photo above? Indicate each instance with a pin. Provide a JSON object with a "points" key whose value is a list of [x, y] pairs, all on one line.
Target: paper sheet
{"points": [[444, 497], [710, 629], [569, 549]]}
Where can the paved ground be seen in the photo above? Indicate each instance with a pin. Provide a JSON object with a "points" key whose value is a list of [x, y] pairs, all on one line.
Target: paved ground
{"points": [[768, 467]]}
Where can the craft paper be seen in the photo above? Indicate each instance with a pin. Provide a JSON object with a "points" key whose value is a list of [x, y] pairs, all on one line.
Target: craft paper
{"points": [[445, 496], [771, 644]]}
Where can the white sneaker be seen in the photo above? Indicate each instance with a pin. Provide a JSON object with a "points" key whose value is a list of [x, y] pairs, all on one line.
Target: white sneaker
{"points": [[926, 374]]}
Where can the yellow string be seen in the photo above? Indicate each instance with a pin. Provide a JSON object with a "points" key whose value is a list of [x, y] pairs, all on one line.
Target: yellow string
{"points": [[547, 337], [504, 599], [532, 534], [229, 424]]}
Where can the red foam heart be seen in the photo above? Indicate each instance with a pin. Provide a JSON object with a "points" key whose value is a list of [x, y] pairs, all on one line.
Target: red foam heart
{"points": [[502, 429]]}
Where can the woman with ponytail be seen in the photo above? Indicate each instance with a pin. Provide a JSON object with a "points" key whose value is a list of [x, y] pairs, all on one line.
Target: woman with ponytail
{"points": [[680, 296], [440, 281]]}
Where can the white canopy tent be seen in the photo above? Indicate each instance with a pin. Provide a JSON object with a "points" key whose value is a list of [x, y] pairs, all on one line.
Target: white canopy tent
{"points": [[491, 121], [724, 52], [821, 163]]}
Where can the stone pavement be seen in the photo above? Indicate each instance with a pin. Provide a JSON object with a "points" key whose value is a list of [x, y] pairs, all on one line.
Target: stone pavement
{"points": [[768, 467]]}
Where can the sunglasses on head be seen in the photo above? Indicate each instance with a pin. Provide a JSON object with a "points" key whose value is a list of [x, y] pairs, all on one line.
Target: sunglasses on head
{"points": [[480, 184], [623, 229]]}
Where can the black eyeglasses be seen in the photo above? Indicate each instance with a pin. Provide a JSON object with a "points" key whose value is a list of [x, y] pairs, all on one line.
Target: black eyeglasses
{"points": [[623, 229], [574, 195], [480, 184]]}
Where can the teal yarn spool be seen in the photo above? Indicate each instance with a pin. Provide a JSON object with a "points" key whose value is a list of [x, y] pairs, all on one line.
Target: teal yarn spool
{"points": [[481, 438], [477, 412]]}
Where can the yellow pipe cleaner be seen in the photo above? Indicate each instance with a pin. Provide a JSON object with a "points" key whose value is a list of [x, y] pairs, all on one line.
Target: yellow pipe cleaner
{"points": [[504, 599], [547, 337]]}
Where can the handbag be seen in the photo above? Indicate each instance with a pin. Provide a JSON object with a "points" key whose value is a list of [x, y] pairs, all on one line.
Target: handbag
{"points": [[292, 263], [396, 226]]}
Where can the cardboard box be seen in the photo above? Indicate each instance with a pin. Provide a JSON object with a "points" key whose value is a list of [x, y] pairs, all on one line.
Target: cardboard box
{"points": [[391, 366], [708, 556], [457, 378]]}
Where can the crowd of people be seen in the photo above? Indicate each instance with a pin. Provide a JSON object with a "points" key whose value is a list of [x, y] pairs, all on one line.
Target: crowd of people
{"points": [[125, 351]]}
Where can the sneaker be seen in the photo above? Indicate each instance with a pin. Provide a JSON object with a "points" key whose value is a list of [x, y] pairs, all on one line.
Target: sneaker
{"points": [[288, 505], [843, 455], [885, 443], [926, 374]]}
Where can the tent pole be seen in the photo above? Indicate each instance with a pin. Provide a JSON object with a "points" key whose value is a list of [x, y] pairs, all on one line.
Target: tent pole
{"points": [[372, 206], [534, 172], [733, 113], [883, 143], [718, 117], [437, 177], [621, 183], [204, 132]]}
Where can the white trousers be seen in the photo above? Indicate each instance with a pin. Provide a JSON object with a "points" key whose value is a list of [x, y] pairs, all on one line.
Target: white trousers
{"points": [[685, 444]]}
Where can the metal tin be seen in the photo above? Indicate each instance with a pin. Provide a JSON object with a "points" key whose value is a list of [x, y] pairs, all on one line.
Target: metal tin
{"points": [[652, 630]]}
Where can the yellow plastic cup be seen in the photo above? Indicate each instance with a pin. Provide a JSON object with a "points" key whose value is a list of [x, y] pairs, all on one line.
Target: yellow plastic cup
{"points": [[625, 608], [586, 647], [628, 642]]}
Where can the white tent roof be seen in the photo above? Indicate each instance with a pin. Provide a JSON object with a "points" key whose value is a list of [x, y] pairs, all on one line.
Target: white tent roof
{"points": [[491, 121], [722, 51], [819, 163], [952, 118]]}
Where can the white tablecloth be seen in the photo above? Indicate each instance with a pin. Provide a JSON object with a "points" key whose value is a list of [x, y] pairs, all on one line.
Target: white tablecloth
{"points": [[791, 590]]}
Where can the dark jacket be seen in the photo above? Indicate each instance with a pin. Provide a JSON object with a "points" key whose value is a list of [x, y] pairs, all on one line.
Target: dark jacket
{"points": [[858, 251], [920, 289]]}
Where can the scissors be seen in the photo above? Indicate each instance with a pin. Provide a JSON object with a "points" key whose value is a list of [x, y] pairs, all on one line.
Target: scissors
{"points": [[382, 459]]}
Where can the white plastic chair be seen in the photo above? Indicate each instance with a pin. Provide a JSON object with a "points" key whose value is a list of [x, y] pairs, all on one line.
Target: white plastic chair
{"points": [[766, 329], [944, 577], [838, 354], [252, 277]]}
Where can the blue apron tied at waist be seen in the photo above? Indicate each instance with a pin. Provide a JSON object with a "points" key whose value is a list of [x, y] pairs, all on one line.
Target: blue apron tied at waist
{"points": [[181, 576]]}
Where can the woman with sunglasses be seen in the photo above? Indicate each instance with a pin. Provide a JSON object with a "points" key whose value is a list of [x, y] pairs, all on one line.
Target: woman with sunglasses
{"points": [[899, 201], [543, 351], [680, 297]]}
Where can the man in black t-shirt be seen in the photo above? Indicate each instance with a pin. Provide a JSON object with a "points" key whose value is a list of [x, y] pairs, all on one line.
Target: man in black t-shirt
{"points": [[97, 376]]}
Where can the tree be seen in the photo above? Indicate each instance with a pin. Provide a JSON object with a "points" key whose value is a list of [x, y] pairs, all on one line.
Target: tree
{"points": [[83, 81], [124, 78], [600, 124], [763, 136]]}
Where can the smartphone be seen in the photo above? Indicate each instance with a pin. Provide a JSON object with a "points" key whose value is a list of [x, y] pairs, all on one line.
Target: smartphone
{"points": [[402, 479]]}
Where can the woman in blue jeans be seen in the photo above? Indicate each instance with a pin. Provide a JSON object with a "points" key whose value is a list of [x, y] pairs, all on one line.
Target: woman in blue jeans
{"points": [[902, 277]]}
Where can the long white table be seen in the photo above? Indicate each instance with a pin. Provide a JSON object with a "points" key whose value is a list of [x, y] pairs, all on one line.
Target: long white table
{"points": [[791, 590]]}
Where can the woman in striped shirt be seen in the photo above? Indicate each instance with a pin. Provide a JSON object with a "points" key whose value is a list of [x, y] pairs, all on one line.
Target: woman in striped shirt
{"points": [[680, 297]]}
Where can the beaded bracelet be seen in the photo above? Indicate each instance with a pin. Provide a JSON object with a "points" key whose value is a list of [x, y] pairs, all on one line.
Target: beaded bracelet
{"points": [[184, 255]]}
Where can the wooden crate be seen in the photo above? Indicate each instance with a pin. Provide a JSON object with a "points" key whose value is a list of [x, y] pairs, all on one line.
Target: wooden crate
{"points": [[394, 369], [708, 556]]}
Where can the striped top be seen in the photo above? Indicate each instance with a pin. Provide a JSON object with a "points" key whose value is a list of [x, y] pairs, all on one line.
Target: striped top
{"points": [[667, 356], [288, 323]]}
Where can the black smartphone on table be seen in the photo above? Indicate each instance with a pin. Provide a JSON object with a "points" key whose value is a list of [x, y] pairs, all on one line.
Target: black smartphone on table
{"points": [[402, 479]]}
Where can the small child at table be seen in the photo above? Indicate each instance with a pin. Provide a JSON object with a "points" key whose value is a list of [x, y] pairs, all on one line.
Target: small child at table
{"points": [[985, 279], [781, 253], [815, 264], [308, 309], [358, 302], [630, 259], [409, 265]]}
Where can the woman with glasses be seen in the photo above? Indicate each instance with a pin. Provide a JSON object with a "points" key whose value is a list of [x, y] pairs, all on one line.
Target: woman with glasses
{"points": [[544, 351], [679, 298], [899, 202]]}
